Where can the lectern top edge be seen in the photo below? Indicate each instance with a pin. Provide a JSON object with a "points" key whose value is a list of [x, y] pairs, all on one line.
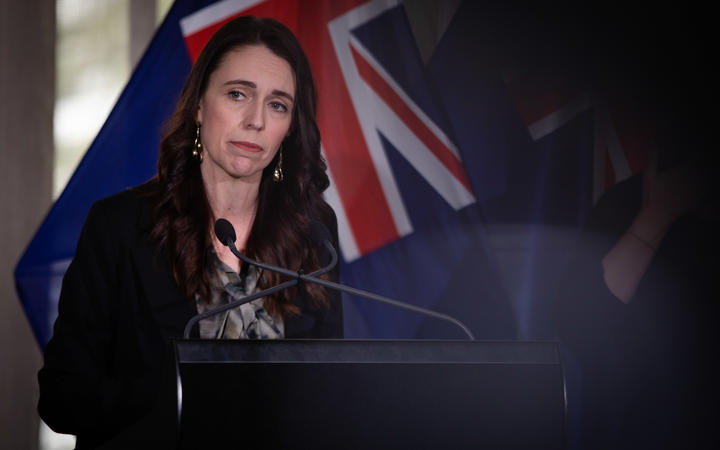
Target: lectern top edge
{"points": [[196, 351]]}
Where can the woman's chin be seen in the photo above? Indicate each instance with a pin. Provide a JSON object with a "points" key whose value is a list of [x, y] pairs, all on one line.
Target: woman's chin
{"points": [[244, 174]]}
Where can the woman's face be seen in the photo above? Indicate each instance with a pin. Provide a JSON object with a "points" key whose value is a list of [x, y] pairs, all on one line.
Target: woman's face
{"points": [[245, 113]]}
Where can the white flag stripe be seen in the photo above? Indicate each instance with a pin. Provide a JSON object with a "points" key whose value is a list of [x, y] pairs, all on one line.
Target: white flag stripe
{"points": [[617, 156], [364, 13], [557, 119], [213, 14], [408, 101], [346, 237], [419, 155], [340, 34]]}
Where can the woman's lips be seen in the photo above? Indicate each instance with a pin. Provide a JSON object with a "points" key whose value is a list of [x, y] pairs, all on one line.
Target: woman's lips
{"points": [[247, 146]]}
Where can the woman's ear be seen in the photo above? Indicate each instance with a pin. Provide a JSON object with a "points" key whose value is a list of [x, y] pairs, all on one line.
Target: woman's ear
{"points": [[198, 114]]}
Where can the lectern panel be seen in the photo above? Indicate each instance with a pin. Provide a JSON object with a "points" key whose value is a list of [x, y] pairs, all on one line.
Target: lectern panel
{"points": [[370, 395]]}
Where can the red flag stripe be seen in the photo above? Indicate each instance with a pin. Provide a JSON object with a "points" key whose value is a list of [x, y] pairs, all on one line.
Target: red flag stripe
{"points": [[348, 156], [403, 111]]}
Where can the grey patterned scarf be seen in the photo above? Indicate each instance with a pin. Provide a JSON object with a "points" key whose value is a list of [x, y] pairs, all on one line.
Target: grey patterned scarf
{"points": [[248, 321]]}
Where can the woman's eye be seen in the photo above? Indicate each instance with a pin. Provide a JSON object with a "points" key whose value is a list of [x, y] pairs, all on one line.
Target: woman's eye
{"points": [[236, 95], [279, 107]]}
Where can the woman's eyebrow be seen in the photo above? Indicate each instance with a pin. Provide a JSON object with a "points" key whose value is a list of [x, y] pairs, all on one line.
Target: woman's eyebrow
{"points": [[249, 84], [283, 94]]}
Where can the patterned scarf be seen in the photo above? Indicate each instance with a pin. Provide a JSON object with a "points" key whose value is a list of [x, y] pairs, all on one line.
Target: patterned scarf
{"points": [[248, 321]]}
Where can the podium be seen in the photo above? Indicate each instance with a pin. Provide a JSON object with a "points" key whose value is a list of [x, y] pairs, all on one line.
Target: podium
{"points": [[345, 394]]}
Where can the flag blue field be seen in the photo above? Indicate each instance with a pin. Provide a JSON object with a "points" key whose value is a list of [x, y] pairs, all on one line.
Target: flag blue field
{"points": [[123, 154]]}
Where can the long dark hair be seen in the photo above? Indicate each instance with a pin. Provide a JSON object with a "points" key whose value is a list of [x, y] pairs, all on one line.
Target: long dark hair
{"points": [[279, 235]]}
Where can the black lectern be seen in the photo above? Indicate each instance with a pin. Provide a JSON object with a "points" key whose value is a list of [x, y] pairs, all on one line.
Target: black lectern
{"points": [[369, 394]]}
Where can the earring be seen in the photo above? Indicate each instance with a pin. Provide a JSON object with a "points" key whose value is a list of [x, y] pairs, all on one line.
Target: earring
{"points": [[278, 173], [197, 147]]}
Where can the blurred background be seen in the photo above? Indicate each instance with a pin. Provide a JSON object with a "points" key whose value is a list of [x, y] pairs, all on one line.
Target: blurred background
{"points": [[534, 115], [63, 65]]}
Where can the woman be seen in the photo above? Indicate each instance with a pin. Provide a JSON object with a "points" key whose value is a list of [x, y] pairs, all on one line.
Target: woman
{"points": [[242, 144]]}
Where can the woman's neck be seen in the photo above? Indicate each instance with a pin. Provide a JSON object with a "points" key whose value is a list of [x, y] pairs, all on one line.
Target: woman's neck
{"points": [[236, 201]]}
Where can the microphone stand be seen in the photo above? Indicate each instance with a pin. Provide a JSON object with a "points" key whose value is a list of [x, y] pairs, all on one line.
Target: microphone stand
{"points": [[234, 304], [312, 278]]}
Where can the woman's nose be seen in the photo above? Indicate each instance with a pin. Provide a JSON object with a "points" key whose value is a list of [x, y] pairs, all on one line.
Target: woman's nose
{"points": [[254, 119]]}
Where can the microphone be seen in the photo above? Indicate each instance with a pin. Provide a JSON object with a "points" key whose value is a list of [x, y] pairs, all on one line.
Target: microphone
{"points": [[224, 231], [226, 234]]}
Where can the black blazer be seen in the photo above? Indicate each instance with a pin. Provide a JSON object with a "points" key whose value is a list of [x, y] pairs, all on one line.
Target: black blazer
{"points": [[119, 308]]}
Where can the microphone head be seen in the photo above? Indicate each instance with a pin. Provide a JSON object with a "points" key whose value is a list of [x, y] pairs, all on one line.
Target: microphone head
{"points": [[224, 231], [319, 233]]}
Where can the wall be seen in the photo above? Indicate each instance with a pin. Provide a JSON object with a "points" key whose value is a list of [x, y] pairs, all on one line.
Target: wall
{"points": [[27, 85]]}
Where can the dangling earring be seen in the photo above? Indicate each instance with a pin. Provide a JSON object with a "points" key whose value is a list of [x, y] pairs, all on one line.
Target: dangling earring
{"points": [[197, 147], [278, 173]]}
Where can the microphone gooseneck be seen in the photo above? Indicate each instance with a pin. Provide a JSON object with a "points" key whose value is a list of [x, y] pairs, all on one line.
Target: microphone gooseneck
{"points": [[234, 304], [224, 230], [319, 233]]}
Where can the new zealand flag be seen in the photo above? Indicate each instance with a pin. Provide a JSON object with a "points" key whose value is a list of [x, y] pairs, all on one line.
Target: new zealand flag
{"points": [[410, 225]]}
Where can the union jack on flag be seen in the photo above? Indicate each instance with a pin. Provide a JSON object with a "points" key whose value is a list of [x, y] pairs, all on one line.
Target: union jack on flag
{"points": [[547, 103]]}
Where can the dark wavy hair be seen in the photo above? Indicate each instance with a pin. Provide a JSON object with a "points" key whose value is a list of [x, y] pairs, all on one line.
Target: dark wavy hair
{"points": [[279, 235]]}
